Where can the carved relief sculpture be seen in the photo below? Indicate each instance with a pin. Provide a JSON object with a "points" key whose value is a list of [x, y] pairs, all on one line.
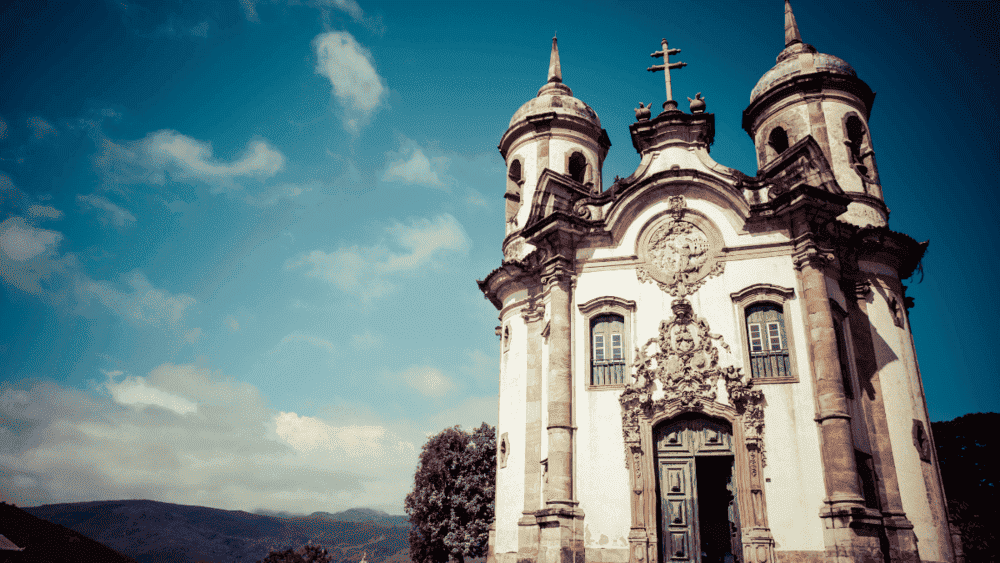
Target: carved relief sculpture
{"points": [[679, 256]]}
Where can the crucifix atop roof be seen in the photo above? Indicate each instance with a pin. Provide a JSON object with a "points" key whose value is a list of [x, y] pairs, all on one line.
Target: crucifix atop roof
{"points": [[670, 104]]}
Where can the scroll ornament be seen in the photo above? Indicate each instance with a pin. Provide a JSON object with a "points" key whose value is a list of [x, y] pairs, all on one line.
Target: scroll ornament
{"points": [[684, 366]]}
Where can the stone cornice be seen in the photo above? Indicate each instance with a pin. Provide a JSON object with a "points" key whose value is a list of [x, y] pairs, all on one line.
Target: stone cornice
{"points": [[695, 129], [510, 273], [808, 84], [897, 250]]}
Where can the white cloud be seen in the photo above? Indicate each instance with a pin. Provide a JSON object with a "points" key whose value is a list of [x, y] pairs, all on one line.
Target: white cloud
{"points": [[356, 84], [428, 381], [231, 323], [190, 159], [273, 195], [21, 242], [316, 341], [115, 215], [476, 199], [365, 340], [350, 7], [366, 271], [40, 128], [30, 262], [188, 435], [134, 391], [141, 303], [167, 154], [192, 335], [250, 10], [309, 435], [200, 30], [44, 212], [415, 168]]}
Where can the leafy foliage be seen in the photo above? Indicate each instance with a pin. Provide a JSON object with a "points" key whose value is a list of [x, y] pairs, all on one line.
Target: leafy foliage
{"points": [[306, 554], [451, 505], [968, 456]]}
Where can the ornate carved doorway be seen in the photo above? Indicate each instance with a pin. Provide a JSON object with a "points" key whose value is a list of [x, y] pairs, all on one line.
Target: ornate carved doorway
{"points": [[699, 518]]}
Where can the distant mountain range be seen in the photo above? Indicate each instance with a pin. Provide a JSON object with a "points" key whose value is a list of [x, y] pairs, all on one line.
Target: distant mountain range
{"points": [[159, 532]]}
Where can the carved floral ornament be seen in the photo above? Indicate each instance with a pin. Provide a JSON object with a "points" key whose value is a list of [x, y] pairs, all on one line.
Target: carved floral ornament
{"points": [[680, 253], [684, 367]]}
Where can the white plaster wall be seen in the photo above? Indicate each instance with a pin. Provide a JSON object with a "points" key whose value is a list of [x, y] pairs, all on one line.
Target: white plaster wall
{"points": [[797, 120], [902, 406], [791, 435], [528, 152], [510, 479], [560, 148], [602, 478], [626, 247], [834, 112], [793, 475]]}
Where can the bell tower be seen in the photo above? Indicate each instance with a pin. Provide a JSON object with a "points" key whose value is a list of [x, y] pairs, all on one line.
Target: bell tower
{"points": [[553, 131], [808, 93]]}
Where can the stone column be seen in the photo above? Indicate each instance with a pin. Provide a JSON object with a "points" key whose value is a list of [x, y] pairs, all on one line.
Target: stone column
{"points": [[559, 488], [561, 521], [847, 530], [840, 471], [527, 531]]}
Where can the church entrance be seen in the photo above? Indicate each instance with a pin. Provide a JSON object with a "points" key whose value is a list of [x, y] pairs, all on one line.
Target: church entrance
{"points": [[699, 520]]}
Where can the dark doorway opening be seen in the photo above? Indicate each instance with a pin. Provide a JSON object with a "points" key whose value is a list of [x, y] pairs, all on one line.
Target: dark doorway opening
{"points": [[716, 511]]}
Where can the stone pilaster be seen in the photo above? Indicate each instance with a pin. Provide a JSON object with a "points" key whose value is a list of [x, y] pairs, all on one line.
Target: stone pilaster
{"points": [[561, 521], [528, 531], [849, 531], [902, 542]]}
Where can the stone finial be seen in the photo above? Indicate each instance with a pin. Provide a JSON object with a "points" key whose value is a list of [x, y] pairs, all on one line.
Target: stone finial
{"points": [[554, 85], [643, 112], [792, 34], [697, 104], [555, 72]]}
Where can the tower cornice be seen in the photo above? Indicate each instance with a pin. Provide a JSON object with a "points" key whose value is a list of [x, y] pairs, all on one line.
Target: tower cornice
{"points": [[807, 84]]}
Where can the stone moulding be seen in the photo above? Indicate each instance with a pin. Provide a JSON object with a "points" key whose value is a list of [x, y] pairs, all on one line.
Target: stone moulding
{"points": [[682, 376]]}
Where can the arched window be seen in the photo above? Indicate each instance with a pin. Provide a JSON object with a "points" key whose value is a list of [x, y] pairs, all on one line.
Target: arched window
{"points": [[855, 142], [607, 359], [767, 341], [778, 140], [515, 171], [577, 166], [513, 193]]}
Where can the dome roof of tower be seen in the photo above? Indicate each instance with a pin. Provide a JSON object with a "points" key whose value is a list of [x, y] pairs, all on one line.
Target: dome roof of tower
{"points": [[791, 64], [559, 102]]}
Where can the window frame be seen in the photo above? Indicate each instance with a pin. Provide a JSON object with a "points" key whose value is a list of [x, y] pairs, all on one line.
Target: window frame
{"points": [[758, 294], [614, 306]]}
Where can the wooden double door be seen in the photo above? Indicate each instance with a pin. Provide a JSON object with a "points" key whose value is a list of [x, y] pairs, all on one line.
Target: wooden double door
{"points": [[699, 518]]}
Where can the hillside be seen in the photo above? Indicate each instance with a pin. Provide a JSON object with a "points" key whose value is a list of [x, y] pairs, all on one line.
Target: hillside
{"points": [[47, 542], [159, 532]]}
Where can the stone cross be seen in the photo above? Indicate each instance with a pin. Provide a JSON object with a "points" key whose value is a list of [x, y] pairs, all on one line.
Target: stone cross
{"points": [[670, 104]]}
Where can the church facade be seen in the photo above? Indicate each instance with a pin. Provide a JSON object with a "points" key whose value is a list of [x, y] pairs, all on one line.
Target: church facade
{"points": [[702, 366]]}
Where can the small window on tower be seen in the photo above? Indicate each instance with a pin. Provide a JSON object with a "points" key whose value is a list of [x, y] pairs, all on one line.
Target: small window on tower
{"points": [[515, 171], [577, 166], [778, 140]]}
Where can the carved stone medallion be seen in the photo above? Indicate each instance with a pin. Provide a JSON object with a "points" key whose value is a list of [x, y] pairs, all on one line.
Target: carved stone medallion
{"points": [[678, 255]]}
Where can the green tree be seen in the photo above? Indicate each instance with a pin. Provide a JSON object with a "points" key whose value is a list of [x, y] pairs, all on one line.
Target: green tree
{"points": [[451, 505], [309, 553], [967, 449]]}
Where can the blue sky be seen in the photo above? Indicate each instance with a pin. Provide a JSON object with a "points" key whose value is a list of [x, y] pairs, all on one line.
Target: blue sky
{"points": [[240, 238]]}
